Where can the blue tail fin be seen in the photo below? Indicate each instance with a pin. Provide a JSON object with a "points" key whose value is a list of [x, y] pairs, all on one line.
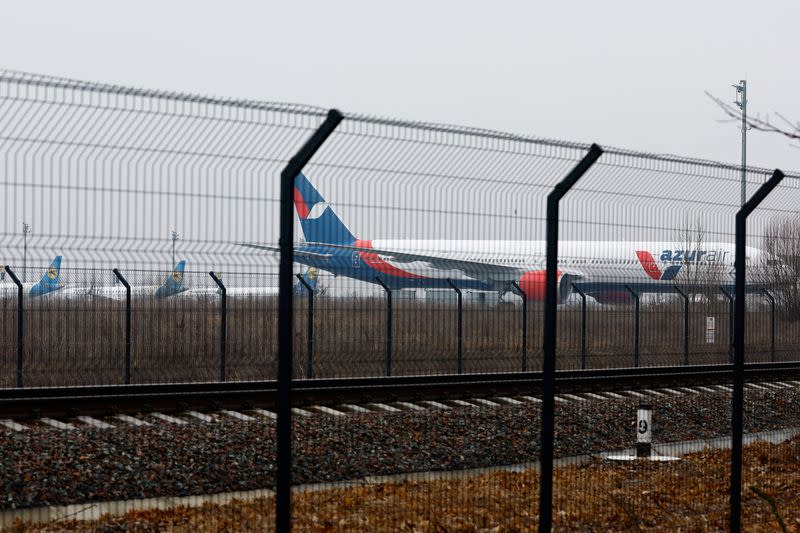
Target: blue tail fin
{"points": [[319, 222], [50, 281], [174, 282]]}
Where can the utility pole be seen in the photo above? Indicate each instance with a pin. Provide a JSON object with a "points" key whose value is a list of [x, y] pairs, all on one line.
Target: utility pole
{"points": [[741, 101], [174, 235], [25, 230]]}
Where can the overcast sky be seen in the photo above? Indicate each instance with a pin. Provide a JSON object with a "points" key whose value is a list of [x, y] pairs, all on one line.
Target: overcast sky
{"points": [[629, 74]]}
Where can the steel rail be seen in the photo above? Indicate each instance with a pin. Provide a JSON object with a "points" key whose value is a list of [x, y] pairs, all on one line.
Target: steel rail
{"points": [[170, 397]]}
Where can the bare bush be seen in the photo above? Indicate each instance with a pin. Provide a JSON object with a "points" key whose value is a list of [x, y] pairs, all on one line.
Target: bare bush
{"points": [[780, 265], [698, 278]]}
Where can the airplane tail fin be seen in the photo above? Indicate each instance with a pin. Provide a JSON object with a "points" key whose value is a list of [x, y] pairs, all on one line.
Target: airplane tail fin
{"points": [[174, 282], [317, 218], [51, 280], [311, 276]]}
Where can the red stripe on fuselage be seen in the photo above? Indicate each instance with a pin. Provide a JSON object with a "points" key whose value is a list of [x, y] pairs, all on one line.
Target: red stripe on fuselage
{"points": [[300, 205], [380, 265], [649, 264]]}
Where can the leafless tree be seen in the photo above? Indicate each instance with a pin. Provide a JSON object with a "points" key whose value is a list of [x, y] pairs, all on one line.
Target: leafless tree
{"points": [[780, 265], [697, 277], [784, 127]]}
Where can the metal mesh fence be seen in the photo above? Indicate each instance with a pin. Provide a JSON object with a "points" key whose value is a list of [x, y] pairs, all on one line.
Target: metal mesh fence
{"points": [[103, 175], [770, 423], [419, 255]]}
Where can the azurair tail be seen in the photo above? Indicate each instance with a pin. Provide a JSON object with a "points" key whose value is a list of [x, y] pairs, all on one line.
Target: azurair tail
{"points": [[50, 281], [317, 218]]}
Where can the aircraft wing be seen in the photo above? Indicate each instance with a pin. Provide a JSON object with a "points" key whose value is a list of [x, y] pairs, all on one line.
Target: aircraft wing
{"points": [[474, 269], [297, 251]]}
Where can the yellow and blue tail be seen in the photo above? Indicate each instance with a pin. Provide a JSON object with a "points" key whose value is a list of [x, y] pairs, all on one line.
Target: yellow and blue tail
{"points": [[311, 276], [51, 281], [174, 282], [317, 218]]}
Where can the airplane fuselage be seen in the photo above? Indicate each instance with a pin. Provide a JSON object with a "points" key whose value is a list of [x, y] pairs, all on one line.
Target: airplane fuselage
{"points": [[596, 263]]}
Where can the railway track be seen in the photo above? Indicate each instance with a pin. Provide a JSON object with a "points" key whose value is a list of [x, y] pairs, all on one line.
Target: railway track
{"points": [[106, 400]]}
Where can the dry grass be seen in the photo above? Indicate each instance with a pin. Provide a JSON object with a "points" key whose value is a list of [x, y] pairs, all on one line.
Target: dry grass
{"points": [[690, 495], [173, 340]]}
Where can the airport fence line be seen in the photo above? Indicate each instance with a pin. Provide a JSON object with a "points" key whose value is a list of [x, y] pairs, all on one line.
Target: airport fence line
{"points": [[86, 333], [453, 183], [75, 337], [183, 261]]}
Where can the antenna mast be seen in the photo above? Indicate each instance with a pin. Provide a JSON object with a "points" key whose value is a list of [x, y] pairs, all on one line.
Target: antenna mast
{"points": [[26, 229], [175, 236], [741, 102]]}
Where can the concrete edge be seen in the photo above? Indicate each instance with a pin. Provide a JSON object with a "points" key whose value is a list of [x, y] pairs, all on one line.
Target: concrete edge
{"points": [[95, 510]]}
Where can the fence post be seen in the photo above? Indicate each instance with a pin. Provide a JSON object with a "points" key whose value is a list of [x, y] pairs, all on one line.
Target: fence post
{"points": [[636, 329], [388, 325], [772, 324], [524, 356], [730, 320], [583, 325], [738, 347], [223, 326], [283, 478], [20, 325], [685, 325], [549, 365], [127, 286], [459, 332], [310, 329]]}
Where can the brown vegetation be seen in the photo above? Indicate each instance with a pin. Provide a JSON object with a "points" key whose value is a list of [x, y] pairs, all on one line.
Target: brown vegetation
{"points": [[178, 339], [690, 495]]}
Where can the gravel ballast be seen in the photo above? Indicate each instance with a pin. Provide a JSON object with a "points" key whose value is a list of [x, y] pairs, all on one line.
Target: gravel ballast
{"points": [[52, 467]]}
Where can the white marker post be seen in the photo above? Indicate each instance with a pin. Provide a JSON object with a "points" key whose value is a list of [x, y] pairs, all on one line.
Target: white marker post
{"points": [[711, 329], [644, 439], [644, 431]]}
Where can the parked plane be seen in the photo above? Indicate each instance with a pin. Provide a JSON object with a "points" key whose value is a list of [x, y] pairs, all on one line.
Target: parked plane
{"points": [[173, 284], [49, 283], [602, 270], [310, 276]]}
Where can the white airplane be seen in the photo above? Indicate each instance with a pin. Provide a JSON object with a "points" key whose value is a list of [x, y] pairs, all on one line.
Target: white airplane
{"points": [[602, 270], [49, 284], [173, 285], [310, 277]]}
